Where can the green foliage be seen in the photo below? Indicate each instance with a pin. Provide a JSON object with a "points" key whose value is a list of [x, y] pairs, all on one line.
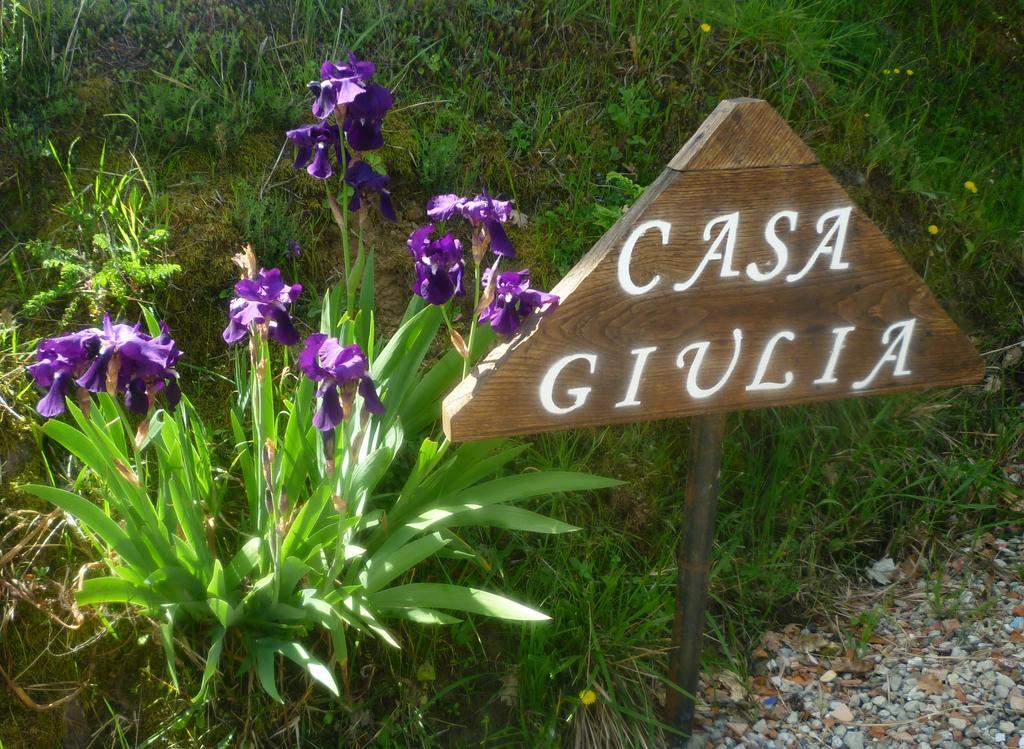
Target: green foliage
{"points": [[107, 249], [211, 96], [331, 527], [562, 223], [633, 115], [268, 219]]}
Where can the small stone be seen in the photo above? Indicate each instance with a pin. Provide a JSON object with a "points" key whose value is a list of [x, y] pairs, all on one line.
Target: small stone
{"points": [[842, 713], [793, 718], [737, 729], [854, 740], [828, 676], [879, 700], [983, 666], [760, 727], [958, 723], [1001, 691], [1005, 680]]}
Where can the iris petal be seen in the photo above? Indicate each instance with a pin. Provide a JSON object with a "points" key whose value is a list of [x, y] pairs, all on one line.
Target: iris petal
{"points": [[52, 404], [135, 397], [500, 244], [370, 398], [320, 167], [282, 329], [330, 414]]}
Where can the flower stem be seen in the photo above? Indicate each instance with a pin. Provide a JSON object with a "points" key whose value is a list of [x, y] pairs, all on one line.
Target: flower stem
{"points": [[357, 271], [267, 519], [472, 322], [341, 219], [447, 320]]}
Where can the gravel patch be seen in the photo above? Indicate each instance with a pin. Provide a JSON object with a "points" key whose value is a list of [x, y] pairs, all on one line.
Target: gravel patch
{"points": [[927, 660]]}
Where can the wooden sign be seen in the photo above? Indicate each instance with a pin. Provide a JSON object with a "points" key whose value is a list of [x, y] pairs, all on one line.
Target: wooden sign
{"points": [[744, 277]]}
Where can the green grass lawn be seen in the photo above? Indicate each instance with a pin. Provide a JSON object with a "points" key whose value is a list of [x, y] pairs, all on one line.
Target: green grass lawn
{"points": [[570, 107]]}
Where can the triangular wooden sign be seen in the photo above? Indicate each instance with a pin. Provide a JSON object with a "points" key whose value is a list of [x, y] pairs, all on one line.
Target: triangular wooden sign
{"points": [[743, 277]]}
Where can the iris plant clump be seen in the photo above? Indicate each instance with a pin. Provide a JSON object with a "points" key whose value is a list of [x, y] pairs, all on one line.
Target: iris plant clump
{"points": [[318, 540], [117, 359]]}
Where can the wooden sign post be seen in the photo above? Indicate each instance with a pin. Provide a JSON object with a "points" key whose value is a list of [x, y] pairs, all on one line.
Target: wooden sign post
{"points": [[744, 277]]}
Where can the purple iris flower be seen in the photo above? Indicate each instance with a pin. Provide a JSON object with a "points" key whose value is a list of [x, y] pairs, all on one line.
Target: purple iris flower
{"points": [[363, 117], [130, 361], [58, 362], [341, 371], [443, 207], [292, 249], [365, 182], [313, 145], [340, 83], [263, 300], [439, 265], [484, 213], [487, 216], [513, 300]]}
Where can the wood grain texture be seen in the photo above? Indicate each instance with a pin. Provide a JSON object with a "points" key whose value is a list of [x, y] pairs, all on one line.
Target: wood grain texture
{"points": [[742, 134], [597, 317]]}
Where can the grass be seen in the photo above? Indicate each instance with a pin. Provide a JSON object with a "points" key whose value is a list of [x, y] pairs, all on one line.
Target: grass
{"points": [[564, 105]]}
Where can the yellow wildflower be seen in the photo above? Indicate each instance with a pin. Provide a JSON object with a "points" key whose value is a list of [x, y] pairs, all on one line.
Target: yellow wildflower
{"points": [[909, 71], [706, 28], [886, 71], [896, 71], [933, 229], [970, 186], [588, 697]]}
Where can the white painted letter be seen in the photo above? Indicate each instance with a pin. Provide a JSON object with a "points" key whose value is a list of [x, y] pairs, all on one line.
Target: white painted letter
{"points": [[627, 255], [701, 347], [641, 355], [781, 251], [728, 236], [762, 365], [832, 244], [829, 375], [547, 385], [900, 333]]}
